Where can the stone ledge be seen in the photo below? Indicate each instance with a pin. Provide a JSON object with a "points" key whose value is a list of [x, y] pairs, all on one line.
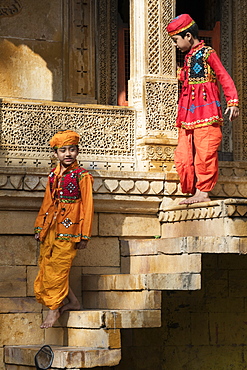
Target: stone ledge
{"points": [[221, 218], [64, 357], [126, 282], [110, 319]]}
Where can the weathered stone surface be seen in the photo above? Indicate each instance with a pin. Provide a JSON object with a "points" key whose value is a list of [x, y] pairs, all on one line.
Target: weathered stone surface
{"points": [[32, 272], [64, 357], [128, 225], [17, 329], [101, 338], [133, 319], [13, 281], [122, 300], [161, 264], [114, 282], [56, 336], [99, 252], [17, 222], [86, 319], [172, 281], [100, 270], [113, 319], [14, 305], [17, 250]]}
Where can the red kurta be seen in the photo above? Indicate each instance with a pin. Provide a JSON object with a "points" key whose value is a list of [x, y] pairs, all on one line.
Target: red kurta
{"points": [[199, 102], [199, 117]]}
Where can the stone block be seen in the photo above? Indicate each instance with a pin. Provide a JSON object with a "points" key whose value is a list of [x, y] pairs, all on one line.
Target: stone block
{"points": [[227, 329], [179, 328], [114, 282], [161, 264], [20, 328], [128, 225], [100, 270], [17, 250], [32, 272], [135, 247], [133, 319], [64, 357], [88, 319], [99, 252], [12, 281], [122, 300], [42, 25], [17, 222], [55, 336], [14, 305], [200, 329], [182, 281], [2, 367], [216, 283], [237, 289], [212, 244], [75, 280], [101, 338]]}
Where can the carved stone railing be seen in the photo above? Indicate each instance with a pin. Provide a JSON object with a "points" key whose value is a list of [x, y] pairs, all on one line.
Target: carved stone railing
{"points": [[107, 133]]}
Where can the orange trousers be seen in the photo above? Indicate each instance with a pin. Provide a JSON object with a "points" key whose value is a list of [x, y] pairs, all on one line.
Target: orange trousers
{"points": [[196, 158], [51, 285]]}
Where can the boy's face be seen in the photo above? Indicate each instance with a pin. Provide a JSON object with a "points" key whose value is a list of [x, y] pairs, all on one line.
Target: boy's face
{"points": [[183, 44], [67, 155]]}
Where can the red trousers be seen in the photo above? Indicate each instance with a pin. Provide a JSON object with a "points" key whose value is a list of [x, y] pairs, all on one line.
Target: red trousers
{"points": [[196, 158]]}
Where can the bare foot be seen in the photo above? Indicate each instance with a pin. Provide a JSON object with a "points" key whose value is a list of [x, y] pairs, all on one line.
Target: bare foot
{"points": [[72, 305], [50, 319], [198, 197]]}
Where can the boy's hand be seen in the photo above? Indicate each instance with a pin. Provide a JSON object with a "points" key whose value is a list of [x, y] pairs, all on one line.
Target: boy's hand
{"points": [[81, 245], [36, 236], [234, 112]]}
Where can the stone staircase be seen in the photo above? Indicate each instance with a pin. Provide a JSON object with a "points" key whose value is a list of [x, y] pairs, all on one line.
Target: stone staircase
{"points": [[132, 299]]}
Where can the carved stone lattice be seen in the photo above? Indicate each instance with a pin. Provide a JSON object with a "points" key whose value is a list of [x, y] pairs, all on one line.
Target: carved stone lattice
{"points": [[226, 51], [240, 75], [161, 107], [159, 14], [107, 51], [153, 11], [167, 13], [106, 134]]}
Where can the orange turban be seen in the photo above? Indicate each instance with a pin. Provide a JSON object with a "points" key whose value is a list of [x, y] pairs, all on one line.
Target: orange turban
{"points": [[62, 138], [179, 24]]}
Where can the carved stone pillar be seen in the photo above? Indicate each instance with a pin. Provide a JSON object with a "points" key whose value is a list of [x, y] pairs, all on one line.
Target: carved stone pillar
{"points": [[240, 76], [153, 85]]}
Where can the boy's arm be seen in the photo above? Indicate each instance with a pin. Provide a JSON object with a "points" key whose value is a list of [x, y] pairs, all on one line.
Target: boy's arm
{"points": [[42, 212], [86, 188], [227, 84]]}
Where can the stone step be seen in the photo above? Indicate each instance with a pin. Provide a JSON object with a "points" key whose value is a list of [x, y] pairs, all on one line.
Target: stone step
{"points": [[184, 244], [176, 281], [109, 319], [122, 300], [162, 263], [64, 357]]}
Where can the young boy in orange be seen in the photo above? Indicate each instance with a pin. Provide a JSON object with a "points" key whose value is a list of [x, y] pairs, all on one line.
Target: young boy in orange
{"points": [[199, 114], [63, 225]]}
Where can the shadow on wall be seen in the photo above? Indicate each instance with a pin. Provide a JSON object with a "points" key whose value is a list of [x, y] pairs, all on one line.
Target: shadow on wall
{"points": [[23, 73]]}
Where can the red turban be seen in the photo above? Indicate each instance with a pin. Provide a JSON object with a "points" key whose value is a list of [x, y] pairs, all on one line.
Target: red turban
{"points": [[179, 24]]}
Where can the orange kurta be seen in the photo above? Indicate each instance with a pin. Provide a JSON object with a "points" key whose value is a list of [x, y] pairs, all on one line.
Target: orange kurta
{"points": [[68, 200], [65, 218]]}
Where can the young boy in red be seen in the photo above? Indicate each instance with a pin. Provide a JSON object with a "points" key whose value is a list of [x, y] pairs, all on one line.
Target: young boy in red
{"points": [[199, 114], [63, 226]]}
